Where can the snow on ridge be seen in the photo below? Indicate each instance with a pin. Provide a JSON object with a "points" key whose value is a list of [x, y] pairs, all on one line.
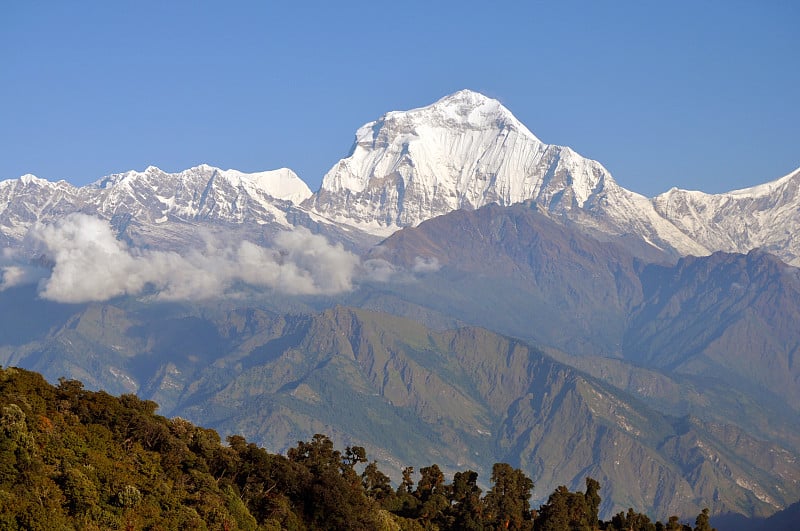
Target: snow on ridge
{"points": [[764, 216], [465, 107], [759, 190], [283, 183], [29, 179], [152, 197], [464, 151], [767, 188], [467, 150]]}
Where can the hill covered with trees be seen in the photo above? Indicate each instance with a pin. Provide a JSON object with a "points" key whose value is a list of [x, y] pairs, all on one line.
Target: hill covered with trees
{"points": [[76, 459]]}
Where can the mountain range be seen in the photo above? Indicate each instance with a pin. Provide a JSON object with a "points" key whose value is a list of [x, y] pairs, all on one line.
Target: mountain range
{"points": [[497, 298], [462, 152]]}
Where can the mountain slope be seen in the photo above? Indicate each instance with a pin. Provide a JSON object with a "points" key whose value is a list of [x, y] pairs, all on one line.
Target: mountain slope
{"points": [[460, 398], [467, 397], [518, 271], [713, 337], [148, 205], [174, 211], [726, 316], [466, 151], [461, 152], [764, 216], [202, 192]]}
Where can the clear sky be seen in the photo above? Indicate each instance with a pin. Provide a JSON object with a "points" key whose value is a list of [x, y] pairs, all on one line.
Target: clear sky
{"points": [[695, 94]]}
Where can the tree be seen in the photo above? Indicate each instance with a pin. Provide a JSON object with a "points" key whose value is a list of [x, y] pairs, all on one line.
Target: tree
{"points": [[702, 522], [407, 485], [564, 511], [430, 493], [377, 485], [592, 502], [317, 454], [507, 502], [354, 455], [673, 524], [466, 507], [405, 503], [632, 521], [332, 495]]}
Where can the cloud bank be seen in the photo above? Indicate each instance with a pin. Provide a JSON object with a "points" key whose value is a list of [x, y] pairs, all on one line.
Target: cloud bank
{"points": [[90, 264]]}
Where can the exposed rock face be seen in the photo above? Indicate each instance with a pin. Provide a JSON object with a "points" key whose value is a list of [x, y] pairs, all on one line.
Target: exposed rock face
{"points": [[466, 151], [765, 216], [153, 197], [159, 209], [728, 316], [462, 152]]}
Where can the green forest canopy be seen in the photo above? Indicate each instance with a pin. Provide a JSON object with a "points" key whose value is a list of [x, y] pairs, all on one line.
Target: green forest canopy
{"points": [[77, 459]]}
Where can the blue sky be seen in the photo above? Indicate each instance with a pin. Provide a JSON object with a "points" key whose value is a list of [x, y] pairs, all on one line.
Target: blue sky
{"points": [[699, 95]]}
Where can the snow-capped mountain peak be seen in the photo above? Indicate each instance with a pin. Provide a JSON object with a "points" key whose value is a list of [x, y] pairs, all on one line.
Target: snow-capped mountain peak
{"points": [[281, 184], [763, 216], [153, 197], [29, 178], [465, 108], [464, 151]]}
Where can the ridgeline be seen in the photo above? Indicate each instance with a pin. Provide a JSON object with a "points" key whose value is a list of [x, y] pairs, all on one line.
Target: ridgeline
{"points": [[77, 459]]}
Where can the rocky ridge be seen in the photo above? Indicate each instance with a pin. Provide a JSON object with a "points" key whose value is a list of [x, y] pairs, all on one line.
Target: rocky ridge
{"points": [[461, 152]]}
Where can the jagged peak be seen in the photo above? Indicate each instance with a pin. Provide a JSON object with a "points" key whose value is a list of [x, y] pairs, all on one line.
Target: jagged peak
{"points": [[30, 179], [468, 99], [759, 190], [465, 107], [282, 183], [768, 187]]}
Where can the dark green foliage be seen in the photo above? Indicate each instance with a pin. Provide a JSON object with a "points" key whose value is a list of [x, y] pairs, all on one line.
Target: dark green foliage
{"points": [[573, 511], [702, 522], [592, 497], [377, 485], [466, 510], [673, 524], [75, 459], [631, 521], [564, 510], [506, 503]]}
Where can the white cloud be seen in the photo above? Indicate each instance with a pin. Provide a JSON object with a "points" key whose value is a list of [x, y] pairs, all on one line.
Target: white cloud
{"points": [[15, 275], [90, 264], [426, 265], [379, 270]]}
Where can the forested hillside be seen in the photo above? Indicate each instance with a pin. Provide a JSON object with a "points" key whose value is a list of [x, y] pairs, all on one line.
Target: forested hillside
{"points": [[76, 459]]}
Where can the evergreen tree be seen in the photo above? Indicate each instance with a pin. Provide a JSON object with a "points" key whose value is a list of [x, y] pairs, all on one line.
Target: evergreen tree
{"points": [[466, 507], [592, 497], [702, 522], [377, 485], [507, 502], [405, 503], [564, 511], [431, 494], [673, 524]]}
